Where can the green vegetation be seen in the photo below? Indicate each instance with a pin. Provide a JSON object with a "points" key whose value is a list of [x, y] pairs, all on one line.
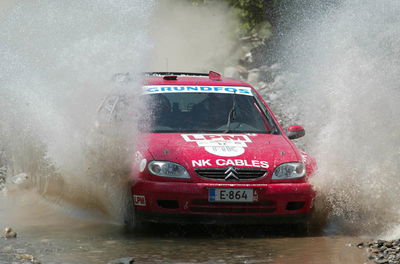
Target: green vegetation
{"points": [[253, 15]]}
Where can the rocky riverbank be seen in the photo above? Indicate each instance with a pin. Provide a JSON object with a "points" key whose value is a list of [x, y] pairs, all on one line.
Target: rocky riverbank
{"points": [[382, 251], [267, 76], [15, 251]]}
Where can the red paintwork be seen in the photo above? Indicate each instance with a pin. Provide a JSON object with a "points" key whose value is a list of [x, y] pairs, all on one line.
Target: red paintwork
{"points": [[215, 76], [295, 128], [186, 80], [273, 149]]}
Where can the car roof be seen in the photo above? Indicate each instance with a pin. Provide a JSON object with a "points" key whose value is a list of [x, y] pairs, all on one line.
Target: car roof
{"points": [[190, 79]]}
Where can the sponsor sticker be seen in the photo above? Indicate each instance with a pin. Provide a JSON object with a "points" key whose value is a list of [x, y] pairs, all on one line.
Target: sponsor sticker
{"points": [[230, 162], [155, 89], [225, 145], [139, 200]]}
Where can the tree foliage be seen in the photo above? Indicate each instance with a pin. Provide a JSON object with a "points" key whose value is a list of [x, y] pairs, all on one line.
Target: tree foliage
{"points": [[253, 14]]}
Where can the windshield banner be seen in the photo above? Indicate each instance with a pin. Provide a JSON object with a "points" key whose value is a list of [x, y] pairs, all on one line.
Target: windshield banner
{"points": [[155, 89]]}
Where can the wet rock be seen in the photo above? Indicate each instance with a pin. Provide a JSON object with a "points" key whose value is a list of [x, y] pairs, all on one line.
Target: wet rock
{"points": [[18, 179], [231, 72], [380, 242], [253, 76], [381, 261], [122, 261], [9, 233], [243, 71], [30, 258], [382, 251], [388, 244], [360, 245]]}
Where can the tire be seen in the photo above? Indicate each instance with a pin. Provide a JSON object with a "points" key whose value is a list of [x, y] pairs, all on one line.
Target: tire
{"points": [[133, 222], [302, 228]]}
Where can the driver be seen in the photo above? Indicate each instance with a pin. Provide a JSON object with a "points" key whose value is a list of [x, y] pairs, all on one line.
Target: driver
{"points": [[213, 112]]}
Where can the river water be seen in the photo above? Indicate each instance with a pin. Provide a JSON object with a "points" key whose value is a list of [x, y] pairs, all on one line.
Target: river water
{"points": [[64, 234]]}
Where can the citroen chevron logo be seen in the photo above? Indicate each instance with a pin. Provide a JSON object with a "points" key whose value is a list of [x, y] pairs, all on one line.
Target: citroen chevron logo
{"points": [[231, 174]]}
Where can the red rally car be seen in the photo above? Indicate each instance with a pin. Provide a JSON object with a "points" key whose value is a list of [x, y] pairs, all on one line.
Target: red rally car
{"points": [[213, 153]]}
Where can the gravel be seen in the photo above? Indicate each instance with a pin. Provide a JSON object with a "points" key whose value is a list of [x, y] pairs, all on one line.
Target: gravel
{"points": [[13, 251], [382, 251]]}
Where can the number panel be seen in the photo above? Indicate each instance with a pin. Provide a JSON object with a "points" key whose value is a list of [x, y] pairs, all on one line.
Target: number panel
{"points": [[230, 195]]}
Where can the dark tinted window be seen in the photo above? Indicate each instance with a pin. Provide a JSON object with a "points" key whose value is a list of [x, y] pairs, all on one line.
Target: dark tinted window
{"points": [[205, 112]]}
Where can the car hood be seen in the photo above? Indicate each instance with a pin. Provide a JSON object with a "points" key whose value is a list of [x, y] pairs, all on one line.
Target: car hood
{"points": [[220, 150]]}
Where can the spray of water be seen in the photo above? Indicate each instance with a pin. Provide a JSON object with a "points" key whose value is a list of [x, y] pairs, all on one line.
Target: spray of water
{"points": [[193, 37], [56, 62], [346, 65]]}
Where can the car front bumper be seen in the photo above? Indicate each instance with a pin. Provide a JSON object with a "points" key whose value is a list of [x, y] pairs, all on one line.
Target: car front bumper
{"points": [[176, 202]]}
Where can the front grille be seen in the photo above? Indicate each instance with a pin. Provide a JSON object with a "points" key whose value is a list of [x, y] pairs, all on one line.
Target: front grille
{"points": [[241, 174], [203, 202], [233, 210], [260, 207]]}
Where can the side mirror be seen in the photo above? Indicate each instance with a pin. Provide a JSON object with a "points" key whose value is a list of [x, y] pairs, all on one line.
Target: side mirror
{"points": [[294, 132]]}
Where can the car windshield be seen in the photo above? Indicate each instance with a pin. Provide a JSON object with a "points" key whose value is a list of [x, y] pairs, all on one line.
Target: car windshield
{"points": [[206, 113]]}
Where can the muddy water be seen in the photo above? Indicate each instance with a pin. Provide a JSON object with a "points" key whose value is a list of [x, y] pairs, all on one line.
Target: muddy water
{"points": [[57, 233]]}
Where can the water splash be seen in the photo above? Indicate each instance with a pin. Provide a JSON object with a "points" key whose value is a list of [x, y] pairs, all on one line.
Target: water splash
{"points": [[56, 62], [195, 37], [346, 60]]}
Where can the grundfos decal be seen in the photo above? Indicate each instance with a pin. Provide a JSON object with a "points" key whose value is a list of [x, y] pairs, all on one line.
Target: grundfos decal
{"points": [[225, 145], [230, 162], [155, 89]]}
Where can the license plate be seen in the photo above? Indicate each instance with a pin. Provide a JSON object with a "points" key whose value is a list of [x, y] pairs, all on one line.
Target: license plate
{"points": [[230, 195]]}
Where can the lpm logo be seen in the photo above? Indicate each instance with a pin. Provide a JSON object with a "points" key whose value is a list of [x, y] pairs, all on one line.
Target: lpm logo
{"points": [[224, 145]]}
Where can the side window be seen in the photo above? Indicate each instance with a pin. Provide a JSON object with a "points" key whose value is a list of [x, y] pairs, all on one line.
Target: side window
{"points": [[121, 110], [106, 108], [271, 122]]}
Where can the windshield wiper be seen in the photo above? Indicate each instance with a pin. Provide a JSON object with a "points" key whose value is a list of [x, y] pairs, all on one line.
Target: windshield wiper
{"points": [[232, 114]]}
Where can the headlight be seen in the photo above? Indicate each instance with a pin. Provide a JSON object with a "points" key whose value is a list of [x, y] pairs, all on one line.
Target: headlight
{"points": [[291, 170], [168, 169]]}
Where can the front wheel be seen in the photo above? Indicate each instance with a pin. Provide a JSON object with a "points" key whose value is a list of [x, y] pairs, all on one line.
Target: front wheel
{"points": [[132, 221], [302, 228]]}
